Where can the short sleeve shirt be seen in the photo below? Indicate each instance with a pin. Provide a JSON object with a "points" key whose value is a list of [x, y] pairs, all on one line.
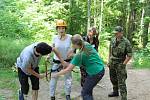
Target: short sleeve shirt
{"points": [[62, 46], [27, 58], [121, 48], [90, 60]]}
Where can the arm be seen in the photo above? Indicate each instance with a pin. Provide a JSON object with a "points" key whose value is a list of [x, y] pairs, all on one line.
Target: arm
{"points": [[75, 62], [48, 57], [70, 53], [129, 52], [127, 60], [32, 72], [26, 63], [64, 71], [58, 55]]}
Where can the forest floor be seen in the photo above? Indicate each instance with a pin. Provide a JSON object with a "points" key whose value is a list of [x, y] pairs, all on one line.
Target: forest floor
{"points": [[138, 84]]}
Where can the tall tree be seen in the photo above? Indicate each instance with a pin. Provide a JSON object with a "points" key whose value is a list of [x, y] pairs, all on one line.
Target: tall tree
{"points": [[124, 15], [132, 19], [146, 23], [89, 15], [141, 24], [95, 12], [101, 15]]}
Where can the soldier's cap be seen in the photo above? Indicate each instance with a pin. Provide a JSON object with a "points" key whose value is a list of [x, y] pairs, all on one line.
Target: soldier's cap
{"points": [[118, 29]]}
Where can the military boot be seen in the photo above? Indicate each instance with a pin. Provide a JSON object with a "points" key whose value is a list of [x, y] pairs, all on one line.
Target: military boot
{"points": [[68, 97], [113, 94]]}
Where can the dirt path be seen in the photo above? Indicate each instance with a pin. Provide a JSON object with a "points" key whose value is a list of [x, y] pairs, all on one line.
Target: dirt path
{"points": [[138, 84]]}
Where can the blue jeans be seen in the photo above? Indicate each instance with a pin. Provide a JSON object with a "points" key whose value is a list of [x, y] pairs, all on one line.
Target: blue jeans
{"points": [[89, 84]]}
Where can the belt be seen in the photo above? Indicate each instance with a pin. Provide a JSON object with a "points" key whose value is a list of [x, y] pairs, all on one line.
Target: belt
{"points": [[58, 69], [117, 58], [60, 66], [58, 62]]}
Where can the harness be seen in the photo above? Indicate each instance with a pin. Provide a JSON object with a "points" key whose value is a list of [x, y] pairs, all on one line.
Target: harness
{"points": [[59, 64]]}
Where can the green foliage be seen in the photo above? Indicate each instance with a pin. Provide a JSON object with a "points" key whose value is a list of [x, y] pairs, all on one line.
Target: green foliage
{"points": [[35, 20], [76, 76], [8, 81], [77, 18], [12, 27], [43, 63], [9, 21], [10, 50], [142, 58], [8, 78], [104, 45], [147, 19]]}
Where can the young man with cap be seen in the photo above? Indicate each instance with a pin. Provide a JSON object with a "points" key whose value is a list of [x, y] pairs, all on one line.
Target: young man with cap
{"points": [[119, 55], [27, 64]]}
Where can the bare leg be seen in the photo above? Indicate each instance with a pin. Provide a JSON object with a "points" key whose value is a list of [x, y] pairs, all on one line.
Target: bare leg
{"points": [[34, 94]]}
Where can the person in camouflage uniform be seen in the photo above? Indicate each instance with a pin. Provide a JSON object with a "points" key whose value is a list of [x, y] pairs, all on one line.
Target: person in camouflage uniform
{"points": [[119, 54]]}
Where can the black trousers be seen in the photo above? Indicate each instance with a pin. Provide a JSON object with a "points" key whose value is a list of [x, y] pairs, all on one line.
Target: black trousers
{"points": [[23, 79]]}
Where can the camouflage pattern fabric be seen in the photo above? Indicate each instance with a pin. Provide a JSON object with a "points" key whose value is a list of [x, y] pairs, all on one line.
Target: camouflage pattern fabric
{"points": [[117, 70]]}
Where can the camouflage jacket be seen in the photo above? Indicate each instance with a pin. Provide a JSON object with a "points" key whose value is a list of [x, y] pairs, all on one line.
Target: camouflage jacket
{"points": [[120, 49]]}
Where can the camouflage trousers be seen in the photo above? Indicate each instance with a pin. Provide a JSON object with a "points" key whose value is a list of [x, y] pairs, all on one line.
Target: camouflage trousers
{"points": [[118, 76]]}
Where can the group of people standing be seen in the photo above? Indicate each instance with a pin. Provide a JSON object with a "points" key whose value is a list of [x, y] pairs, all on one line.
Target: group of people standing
{"points": [[66, 58]]}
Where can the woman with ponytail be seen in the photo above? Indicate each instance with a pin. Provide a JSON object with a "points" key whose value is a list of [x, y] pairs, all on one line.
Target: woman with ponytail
{"points": [[89, 58]]}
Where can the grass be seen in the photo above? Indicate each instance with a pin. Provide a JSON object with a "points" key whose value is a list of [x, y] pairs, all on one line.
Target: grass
{"points": [[10, 50], [76, 76], [142, 63], [8, 81], [141, 59]]}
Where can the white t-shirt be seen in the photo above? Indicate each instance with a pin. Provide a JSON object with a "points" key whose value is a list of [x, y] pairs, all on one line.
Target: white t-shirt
{"points": [[63, 46]]}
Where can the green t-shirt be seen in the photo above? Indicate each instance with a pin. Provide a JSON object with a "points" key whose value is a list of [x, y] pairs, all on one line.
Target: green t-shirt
{"points": [[89, 59]]}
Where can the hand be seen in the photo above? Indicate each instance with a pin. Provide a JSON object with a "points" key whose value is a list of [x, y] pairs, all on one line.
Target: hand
{"points": [[53, 75], [47, 58], [108, 65], [70, 55], [41, 76], [65, 64], [123, 64]]}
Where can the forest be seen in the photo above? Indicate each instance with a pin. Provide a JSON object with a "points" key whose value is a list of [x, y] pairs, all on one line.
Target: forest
{"points": [[23, 22], [26, 21]]}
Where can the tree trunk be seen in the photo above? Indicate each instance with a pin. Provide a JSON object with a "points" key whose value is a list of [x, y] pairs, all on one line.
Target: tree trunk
{"points": [[70, 28], [89, 15], [95, 13], [141, 25], [146, 23], [101, 16], [132, 20], [123, 18]]}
